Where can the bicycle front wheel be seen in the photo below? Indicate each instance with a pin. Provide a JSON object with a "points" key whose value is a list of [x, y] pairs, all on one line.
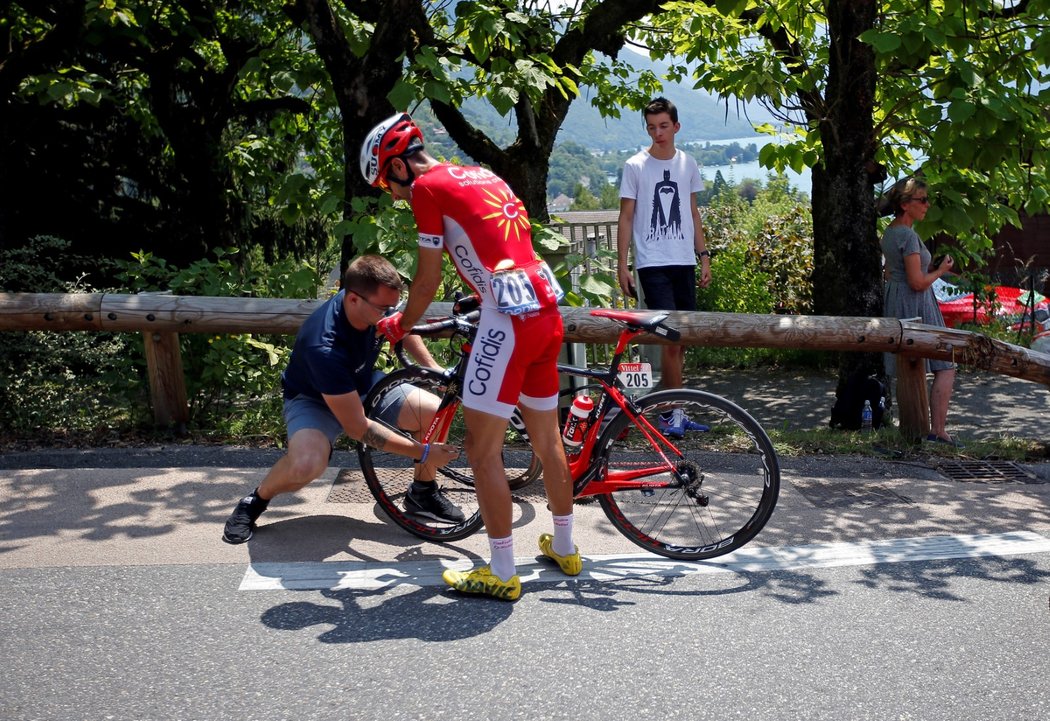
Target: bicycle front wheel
{"points": [[722, 489], [388, 475]]}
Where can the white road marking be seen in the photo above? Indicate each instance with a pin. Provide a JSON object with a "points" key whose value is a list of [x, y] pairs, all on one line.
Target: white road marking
{"points": [[335, 575]]}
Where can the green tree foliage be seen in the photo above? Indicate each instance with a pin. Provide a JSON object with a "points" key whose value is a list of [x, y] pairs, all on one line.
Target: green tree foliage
{"points": [[712, 190], [583, 199], [528, 59], [146, 124], [609, 197], [770, 237], [762, 259], [231, 123], [874, 89], [572, 165]]}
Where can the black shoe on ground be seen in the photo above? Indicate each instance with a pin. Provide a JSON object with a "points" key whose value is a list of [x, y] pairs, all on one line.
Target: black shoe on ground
{"points": [[241, 524], [432, 504]]}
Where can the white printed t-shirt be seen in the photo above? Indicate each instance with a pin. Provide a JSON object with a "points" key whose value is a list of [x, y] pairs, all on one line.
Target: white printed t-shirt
{"points": [[663, 221]]}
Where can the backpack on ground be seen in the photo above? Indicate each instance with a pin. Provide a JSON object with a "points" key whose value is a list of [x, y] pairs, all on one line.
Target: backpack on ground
{"points": [[849, 403]]}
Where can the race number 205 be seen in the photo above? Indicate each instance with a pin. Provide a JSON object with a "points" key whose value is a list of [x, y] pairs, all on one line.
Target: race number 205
{"points": [[636, 375]]}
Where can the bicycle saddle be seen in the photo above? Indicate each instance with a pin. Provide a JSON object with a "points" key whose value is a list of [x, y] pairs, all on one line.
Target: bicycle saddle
{"points": [[649, 322]]}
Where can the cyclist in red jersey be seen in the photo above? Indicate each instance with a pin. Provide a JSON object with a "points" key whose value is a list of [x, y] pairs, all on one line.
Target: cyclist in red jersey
{"points": [[474, 216]]}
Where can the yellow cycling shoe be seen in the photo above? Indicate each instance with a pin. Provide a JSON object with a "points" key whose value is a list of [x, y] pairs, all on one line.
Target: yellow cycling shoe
{"points": [[570, 565], [483, 581]]}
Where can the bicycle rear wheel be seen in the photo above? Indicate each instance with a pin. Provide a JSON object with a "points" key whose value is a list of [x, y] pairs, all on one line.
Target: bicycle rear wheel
{"points": [[725, 488], [389, 475]]}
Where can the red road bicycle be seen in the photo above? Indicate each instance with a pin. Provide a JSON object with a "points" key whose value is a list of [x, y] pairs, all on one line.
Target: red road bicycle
{"points": [[692, 497]]}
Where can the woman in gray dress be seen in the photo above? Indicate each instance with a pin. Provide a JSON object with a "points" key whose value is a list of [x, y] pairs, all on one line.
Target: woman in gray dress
{"points": [[909, 292]]}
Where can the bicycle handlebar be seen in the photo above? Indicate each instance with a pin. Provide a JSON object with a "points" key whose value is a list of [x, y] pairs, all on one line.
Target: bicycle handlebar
{"points": [[465, 324], [459, 325]]}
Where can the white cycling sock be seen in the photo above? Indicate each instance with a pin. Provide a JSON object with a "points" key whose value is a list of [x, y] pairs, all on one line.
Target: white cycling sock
{"points": [[562, 543], [502, 563]]}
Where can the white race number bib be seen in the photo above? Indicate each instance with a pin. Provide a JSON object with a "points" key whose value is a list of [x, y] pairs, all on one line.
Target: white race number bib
{"points": [[513, 292], [547, 274]]}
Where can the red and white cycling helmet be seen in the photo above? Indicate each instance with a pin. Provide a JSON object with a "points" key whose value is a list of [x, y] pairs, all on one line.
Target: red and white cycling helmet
{"points": [[395, 136]]}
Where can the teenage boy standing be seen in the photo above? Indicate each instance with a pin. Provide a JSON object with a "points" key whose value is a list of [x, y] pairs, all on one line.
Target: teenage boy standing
{"points": [[658, 212]]}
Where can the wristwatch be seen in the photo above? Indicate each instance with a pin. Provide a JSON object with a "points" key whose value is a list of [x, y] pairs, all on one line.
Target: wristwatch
{"points": [[703, 253]]}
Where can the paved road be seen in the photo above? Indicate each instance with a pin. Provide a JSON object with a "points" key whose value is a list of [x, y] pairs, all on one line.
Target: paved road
{"points": [[879, 590]]}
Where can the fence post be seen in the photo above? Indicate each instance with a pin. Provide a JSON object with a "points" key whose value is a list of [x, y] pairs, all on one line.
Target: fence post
{"points": [[913, 404], [167, 386]]}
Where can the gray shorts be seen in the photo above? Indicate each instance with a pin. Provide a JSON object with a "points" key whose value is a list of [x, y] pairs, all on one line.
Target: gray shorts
{"points": [[305, 412]]}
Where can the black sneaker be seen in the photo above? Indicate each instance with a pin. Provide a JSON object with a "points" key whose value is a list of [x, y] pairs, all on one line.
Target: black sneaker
{"points": [[241, 524], [432, 504]]}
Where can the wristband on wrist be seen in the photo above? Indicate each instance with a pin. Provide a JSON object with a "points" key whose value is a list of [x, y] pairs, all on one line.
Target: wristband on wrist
{"points": [[703, 253], [426, 452]]}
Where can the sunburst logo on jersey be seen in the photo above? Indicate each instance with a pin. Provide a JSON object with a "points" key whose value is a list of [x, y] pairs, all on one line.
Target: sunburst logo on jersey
{"points": [[510, 214]]}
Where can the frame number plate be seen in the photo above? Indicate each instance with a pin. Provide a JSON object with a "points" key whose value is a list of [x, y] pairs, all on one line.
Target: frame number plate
{"points": [[636, 376]]}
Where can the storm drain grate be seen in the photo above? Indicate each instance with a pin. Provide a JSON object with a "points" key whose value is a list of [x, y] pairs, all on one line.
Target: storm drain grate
{"points": [[349, 487], [532, 493], [987, 472], [850, 495]]}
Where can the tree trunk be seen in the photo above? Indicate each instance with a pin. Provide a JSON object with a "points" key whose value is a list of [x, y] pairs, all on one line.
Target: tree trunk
{"points": [[847, 276], [525, 163], [360, 83]]}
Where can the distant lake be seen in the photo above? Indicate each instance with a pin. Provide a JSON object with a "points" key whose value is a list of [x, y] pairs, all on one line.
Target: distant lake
{"points": [[738, 172]]}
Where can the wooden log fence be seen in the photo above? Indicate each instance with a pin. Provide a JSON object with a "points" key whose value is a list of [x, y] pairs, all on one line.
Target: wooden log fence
{"points": [[161, 317]]}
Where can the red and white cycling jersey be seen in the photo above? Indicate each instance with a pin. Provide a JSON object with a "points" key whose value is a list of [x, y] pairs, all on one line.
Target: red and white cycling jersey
{"points": [[474, 215]]}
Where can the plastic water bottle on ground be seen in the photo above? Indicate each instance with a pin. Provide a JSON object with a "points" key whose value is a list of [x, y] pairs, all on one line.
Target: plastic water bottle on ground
{"points": [[865, 418]]}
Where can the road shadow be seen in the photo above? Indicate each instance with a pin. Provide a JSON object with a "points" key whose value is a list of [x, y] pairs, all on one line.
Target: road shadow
{"points": [[434, 614], [317, 538], [99, 505], [424, 614], [925, 579]]}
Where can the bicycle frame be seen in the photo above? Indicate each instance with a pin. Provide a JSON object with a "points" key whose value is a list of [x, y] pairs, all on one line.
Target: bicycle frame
{"points": [[596, 479], [439, 427], [599, 480]]}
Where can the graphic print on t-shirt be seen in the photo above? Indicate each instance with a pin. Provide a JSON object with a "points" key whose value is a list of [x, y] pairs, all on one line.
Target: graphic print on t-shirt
{"points": [[665, 223]]}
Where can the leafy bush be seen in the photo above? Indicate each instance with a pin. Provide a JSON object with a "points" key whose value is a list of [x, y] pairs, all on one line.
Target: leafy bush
{"points": [[762, 260], [54, 383], [232, 381]]}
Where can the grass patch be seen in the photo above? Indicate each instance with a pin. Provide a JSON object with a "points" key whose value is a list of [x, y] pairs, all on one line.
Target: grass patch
{"points": [[887, 442]]}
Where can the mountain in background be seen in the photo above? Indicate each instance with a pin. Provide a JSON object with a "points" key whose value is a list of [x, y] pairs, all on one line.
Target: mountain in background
{"points": [[703, 116]]}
